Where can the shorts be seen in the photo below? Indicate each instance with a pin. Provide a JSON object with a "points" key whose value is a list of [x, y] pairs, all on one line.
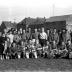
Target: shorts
{"points": [[43, 42]]}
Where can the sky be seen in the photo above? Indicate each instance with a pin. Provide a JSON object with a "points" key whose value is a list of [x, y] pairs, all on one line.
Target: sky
{"points": [[16, 10]]}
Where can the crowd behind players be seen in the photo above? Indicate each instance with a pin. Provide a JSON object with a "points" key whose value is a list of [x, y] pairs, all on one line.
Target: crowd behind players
{"points": [[16, 44]]}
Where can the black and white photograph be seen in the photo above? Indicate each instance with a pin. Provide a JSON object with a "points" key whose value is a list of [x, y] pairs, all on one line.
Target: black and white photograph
{"points": [[35, 35]]}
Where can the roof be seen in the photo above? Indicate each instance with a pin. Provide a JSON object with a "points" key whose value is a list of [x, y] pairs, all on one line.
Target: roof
{"points": [[8, 24], [33, 20], [59, 18]]}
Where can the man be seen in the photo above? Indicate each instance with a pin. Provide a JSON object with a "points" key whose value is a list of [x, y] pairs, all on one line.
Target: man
{"points": [[28, 35], [64, 36], [11, 36], [55, 36], [1, 46], [36, 34], [48, 31], [54, 49], [24, 36], [69, 48], [51, 36], [68, 37], [60, 37], [43, 38], [63, 50]]}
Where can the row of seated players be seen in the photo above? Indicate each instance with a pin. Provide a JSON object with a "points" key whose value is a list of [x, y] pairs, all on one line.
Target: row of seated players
{"points": [[34, 49]]}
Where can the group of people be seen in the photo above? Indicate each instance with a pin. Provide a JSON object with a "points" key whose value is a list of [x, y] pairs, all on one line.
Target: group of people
{"points": [[16, 44]]}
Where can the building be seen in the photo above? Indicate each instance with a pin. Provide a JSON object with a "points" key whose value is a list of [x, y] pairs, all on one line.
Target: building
{"points": [[8, 25], [64, 18]]}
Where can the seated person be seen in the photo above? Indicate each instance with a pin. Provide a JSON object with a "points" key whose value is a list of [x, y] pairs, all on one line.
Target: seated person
{"points": [[13, 50], [33, 48], [54, 50], [38, 48], [69, 48], [28, 49], [7, 48], [46, 49], [23, 48], [62, 50]]}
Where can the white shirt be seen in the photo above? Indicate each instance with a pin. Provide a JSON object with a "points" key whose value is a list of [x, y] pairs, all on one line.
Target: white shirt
{"points": [[11, 36], [43, 35]]}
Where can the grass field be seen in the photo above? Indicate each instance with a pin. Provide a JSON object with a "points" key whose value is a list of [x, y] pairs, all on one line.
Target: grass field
{"points": [[40, 64]]}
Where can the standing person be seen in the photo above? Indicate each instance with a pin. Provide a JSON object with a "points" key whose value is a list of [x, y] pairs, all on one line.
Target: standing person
{"points": [[1, 46], [21, 31], [68, 37], [64, 36], [48, 31], [71, 35], [60, 37], [36, 34], [24, 36], [55, 36], [43, 38], [51, 36], [28, 35], [11, 36]]}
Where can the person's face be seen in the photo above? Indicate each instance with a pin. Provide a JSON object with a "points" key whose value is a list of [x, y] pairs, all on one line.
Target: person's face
{"points": [[37, 42], [22, 43], [3, 35], [63, 30], [14, 32], [60, 32], [10, 32], [54, 30], [23, 31], [63, 43], [18, 32], [8, 39], [42, 29], [14, 44], [47, 31], [47, 42], [20, 29], [0, 34], [69, 42], [5, 30], [54, 42], [35, 30]]}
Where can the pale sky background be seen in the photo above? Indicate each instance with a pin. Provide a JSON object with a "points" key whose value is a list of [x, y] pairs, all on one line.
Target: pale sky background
{"points": [[19, 9]]}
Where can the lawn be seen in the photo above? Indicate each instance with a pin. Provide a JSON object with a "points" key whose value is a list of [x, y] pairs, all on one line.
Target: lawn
{"points": [[39, 64]]}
